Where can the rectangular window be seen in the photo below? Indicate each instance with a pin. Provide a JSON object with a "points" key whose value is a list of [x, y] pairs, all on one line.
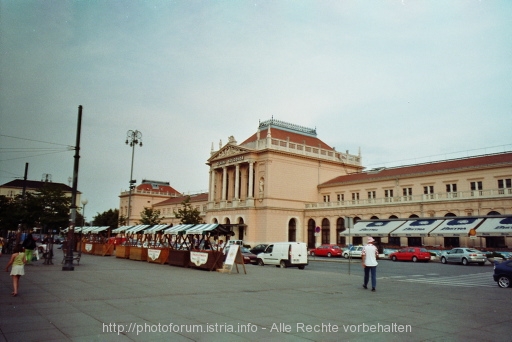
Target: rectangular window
{"points": [[451, 187], [355, 196], [505, 185], [371, 195], [327, 198], [476, 188], [340, 197], [407, 193], [388, 194], [428, 191]]}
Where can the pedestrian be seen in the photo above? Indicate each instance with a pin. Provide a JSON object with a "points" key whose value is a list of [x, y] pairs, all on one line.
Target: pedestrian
{"points": [[18, 261], [29, 244], [2, 243], [369, 257]]}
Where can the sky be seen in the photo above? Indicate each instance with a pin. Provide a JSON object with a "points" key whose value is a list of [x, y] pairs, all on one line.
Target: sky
{"points": [[401, 81]]}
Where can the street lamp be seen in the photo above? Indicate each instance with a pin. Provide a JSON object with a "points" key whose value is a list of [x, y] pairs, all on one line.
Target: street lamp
{"points": [[133, 138], [84, 202]]}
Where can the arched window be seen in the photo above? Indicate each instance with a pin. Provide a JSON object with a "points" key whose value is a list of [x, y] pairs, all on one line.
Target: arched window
{"points": [[326, 231], [241, 228], [493, 213], [374, 217], [450, 215], [340, 227], [393, 217], [311, 233], [292, 231], [413, 216]]}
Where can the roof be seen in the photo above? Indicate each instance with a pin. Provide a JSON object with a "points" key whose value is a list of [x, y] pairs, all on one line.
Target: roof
{"points": [[202, 197], [427, 168], [30, 184], [284, 135], [157, 187]]}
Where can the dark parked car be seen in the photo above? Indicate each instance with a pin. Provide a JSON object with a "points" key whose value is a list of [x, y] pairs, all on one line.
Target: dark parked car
{"points": [[411, 254], [258, 248], [249, 258], [326, 250], [503, 273]]}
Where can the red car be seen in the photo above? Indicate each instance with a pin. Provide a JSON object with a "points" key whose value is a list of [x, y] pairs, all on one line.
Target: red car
{"points": [[411, 254], [326, 250]]}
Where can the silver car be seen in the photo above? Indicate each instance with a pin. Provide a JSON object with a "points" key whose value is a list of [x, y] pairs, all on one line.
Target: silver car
{"points": [[465, 256], [355, 252]]}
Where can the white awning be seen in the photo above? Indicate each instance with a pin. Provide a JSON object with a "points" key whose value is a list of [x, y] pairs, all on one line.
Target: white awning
{"points": [[136, 229], [121, 229], [179, 229], [202, 228], [496, 226], [97, 230], [456, 227], [415, 228], [156, 228], [373, 228]]}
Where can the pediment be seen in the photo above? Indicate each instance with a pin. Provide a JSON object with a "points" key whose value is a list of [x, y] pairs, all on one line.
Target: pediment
{"points": [[227, 152]]}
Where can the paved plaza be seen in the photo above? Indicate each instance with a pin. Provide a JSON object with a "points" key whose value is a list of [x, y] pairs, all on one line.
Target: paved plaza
{"points": [[112, 299]]}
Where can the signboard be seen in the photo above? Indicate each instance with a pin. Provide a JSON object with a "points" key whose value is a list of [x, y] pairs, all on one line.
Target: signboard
{"points": [[198, 258], [234, 257], [88, 247], [154, 254], [230, 259]]}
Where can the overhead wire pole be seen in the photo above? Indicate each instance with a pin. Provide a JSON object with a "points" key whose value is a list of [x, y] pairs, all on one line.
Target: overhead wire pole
{"points": [[68, 266], [132, 138]]}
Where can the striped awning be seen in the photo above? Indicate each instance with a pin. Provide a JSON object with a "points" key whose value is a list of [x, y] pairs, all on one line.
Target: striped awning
{"points": [[156, 228], [179, 229], [456, 227], [496, 226], [121, 229], [202, 228], [137, 229], [416, 228], [373, 228]]}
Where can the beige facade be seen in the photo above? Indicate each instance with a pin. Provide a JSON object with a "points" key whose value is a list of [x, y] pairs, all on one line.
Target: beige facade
{"points": [[263, 184], [15, 188], [283, 182]]}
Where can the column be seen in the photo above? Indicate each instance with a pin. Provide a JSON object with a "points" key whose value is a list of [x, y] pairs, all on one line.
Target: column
{"points": [[224, 181], [237, 181], [211, 195], [251, 180]]}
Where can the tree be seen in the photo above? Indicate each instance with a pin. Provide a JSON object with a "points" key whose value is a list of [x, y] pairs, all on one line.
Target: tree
{"points": [[150, 216], [107, 218], [48, 208], [187, 214]]}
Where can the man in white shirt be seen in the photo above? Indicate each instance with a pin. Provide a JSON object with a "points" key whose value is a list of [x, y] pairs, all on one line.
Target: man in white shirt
{"points": [[369, 260]]}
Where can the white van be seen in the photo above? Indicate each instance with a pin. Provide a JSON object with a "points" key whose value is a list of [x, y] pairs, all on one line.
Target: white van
{"points": [[285, 254]]}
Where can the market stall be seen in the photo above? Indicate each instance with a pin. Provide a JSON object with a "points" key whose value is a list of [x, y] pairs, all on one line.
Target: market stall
{"points": [[155, 242], [135, 238], [122, 250], [205, 252], [179, 247]]}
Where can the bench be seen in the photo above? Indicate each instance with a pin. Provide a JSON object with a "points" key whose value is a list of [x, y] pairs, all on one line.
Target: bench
{"points": [[76, 257]]}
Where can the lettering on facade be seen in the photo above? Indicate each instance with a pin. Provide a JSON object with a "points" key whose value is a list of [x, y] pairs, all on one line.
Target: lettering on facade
{"points": [[453, 228], [230, 160]]}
